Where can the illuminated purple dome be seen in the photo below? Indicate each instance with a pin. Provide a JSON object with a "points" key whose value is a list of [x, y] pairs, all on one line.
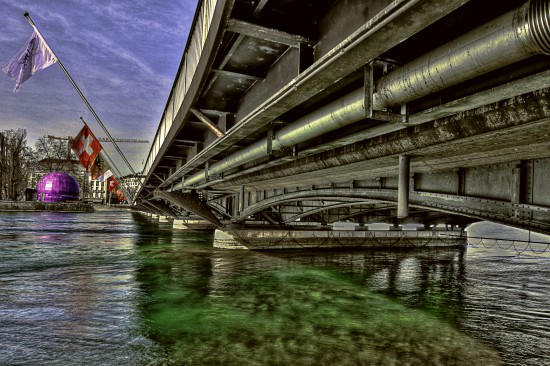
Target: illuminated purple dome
{"points": [[57, 187]]}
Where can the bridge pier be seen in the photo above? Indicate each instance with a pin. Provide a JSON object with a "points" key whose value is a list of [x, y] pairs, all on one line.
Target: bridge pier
{"points": [[403, 187], [180, 224], [282, 239]]}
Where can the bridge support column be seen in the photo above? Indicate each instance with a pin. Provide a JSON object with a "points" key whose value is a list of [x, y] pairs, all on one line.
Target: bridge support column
{"points": [[199, 225], [282, 239], [241, 199], [403, 187]]}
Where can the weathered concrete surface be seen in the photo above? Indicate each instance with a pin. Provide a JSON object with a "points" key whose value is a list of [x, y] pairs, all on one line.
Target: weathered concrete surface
{"points": [[265, 239], [193, 225]]}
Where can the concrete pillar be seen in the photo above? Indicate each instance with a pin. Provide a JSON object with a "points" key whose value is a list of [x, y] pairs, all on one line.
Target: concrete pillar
{"points": [[515, 188], [461, 186], [241, 200], [280, 239], [403, 186], [179, 224]]}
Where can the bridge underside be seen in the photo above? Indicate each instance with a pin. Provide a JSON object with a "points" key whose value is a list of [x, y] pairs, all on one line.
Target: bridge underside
{"points": [[300, 138]]}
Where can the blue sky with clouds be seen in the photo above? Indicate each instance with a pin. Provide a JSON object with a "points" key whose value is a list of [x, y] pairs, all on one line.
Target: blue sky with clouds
{"points": [[123, 54]]}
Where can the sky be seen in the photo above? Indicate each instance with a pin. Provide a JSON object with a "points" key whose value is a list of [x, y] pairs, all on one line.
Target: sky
{"points": [[122, 54]]}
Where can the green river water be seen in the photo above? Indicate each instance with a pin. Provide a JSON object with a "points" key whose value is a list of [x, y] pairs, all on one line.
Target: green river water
{"points": [[115, 288]]}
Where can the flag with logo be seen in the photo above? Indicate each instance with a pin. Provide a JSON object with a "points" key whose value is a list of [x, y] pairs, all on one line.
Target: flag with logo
{"points": [[86, 146], [95, 171], [97, 167], [33, 57]]}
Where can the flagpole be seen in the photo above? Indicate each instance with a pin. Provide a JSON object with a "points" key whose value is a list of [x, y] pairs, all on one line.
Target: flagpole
{"points": [[26, 14]]}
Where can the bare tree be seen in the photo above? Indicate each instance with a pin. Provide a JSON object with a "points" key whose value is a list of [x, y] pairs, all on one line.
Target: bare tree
{"points": [[15, 163], [53, 155]]}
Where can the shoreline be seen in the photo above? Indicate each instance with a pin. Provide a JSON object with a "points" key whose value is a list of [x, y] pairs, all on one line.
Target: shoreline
{"points": [[35, 206]]}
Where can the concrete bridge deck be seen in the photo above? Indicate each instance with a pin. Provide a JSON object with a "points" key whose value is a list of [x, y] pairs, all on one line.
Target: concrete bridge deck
{"points": [[407, 111]]}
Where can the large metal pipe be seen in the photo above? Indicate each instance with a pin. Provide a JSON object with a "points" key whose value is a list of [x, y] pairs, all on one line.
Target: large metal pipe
{"points": [[512, 37]]}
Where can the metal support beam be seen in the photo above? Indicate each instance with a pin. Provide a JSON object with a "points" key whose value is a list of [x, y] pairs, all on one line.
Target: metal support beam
{"points": [[267, 34], [259, 7], [190, 202], [403, 187], [158, 177], [207, 122], [161, 207], [237, 75]]}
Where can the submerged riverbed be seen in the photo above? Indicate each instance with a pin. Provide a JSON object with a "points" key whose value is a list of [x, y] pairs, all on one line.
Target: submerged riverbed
{"points": [[116, 288]]}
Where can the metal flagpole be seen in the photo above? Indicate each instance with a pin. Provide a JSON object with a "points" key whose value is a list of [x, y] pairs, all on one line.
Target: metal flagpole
{"points": [[26, 14]]}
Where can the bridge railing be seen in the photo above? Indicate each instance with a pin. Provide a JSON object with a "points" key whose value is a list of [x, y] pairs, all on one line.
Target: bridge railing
{"points": [[192, 54]]}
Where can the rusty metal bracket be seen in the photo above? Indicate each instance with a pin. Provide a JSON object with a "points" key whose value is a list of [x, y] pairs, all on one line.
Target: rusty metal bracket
{"points": [[369, 90]]}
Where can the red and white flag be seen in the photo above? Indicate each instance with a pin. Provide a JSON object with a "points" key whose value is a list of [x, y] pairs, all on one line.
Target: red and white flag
{"points": [[112, 185], [86, 146]]}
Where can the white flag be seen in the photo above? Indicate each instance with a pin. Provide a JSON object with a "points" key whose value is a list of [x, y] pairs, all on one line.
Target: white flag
{"points": [[34, 56], [106, 175]]}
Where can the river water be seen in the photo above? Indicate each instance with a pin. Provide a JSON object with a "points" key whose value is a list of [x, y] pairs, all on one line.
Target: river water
{"points": [[115, 288]]}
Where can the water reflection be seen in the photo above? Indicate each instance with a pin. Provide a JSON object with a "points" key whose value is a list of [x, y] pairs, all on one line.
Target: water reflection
{"points": [[249, 308], [69, 291], [112, 288]]}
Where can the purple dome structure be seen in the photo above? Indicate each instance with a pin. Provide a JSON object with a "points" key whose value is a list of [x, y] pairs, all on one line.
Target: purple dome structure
{"points": [[57, 187]]}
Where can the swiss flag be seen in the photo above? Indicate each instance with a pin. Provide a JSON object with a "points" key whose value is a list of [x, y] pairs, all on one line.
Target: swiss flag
{"points": [[86, 146], [112, 185]]}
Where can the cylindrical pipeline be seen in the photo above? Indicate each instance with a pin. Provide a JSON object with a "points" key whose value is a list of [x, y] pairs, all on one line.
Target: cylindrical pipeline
{"points": [[512, 37], [343, 111]]}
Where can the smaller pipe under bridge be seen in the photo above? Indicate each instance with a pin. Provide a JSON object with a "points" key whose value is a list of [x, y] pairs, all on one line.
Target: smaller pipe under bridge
{"points": [[457, 197]]}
